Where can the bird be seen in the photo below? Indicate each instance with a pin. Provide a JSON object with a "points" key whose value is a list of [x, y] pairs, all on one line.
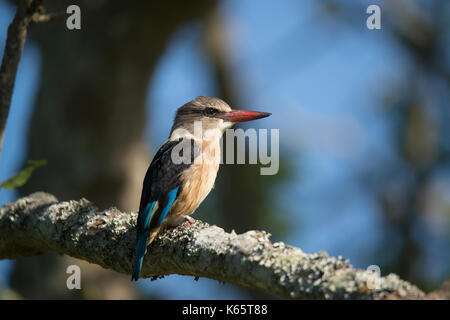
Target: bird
{"points": [[183, 171]]}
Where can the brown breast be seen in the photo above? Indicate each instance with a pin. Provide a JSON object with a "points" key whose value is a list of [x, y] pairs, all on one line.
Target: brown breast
{"points": [[197, 182]]}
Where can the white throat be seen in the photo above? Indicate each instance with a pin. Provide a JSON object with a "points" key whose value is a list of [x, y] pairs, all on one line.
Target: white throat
{"points": [[200, 133]]}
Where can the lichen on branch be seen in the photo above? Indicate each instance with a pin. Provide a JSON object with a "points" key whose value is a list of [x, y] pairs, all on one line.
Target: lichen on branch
{"points": [[39, 223]]}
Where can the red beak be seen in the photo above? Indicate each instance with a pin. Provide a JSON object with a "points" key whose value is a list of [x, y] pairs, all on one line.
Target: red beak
{"points": [[242, 115]]}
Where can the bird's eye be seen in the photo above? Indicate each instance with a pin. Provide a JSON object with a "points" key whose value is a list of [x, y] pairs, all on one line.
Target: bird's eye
{"points": [[210, 111]]}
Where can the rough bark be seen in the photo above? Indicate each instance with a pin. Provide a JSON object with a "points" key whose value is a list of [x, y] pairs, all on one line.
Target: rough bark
{"points": [[38, 223], [26, 12]]}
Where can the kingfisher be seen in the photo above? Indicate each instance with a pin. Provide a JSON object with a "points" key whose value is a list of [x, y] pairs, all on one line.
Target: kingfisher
{"points": [[183, 171]]}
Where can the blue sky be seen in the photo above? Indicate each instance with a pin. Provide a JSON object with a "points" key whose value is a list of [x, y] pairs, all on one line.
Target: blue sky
{"points": [[322, 82]]}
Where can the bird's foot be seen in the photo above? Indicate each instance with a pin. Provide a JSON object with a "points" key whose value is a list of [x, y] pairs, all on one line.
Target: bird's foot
{"points": [[188, 221]]}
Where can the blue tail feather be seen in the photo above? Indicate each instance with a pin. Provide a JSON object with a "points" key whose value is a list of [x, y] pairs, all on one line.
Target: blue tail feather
{"points": [[143, 238], [139, 257]]}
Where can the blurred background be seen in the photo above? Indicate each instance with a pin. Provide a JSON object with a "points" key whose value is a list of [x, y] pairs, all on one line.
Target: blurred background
{"points": [[364, 121]]}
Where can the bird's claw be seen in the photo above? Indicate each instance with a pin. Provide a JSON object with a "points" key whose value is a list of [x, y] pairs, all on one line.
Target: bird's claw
{"points": [[188, 221]]}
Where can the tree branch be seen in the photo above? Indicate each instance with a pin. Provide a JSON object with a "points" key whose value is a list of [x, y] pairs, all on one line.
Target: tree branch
{"points": [[27, 11], [38, 223], [48, 17]]}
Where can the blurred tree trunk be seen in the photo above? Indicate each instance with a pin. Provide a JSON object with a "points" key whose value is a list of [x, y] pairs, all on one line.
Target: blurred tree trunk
{"points": [[88, 122]]}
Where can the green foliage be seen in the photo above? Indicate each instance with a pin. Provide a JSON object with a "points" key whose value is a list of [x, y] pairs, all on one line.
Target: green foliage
{"points": [[22, 177]]}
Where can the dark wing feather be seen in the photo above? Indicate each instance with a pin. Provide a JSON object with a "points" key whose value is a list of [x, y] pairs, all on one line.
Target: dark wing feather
{"points": [[162, 176]]}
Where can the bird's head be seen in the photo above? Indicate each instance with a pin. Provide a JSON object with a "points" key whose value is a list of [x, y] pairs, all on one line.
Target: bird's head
{"points": [[213, 113]]}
